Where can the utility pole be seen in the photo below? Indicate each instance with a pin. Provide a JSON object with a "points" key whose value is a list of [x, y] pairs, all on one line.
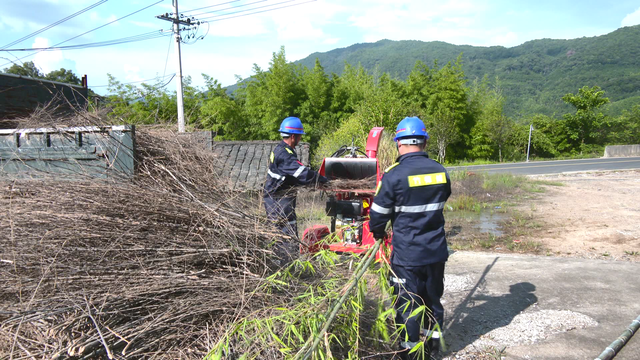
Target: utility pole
{"points": [[529, 146], [176, 30]]}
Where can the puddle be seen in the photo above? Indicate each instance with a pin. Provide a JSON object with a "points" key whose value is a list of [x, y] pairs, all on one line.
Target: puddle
{"points": [[490, 223], [484, 222]]}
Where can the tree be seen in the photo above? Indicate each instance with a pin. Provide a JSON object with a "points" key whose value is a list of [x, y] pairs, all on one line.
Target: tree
{"points": [[28, 68], [314, 110], [446, 107], [586, 125], [625, 129], [63, 75], [221, 113], [492, 128], [271, 96]]}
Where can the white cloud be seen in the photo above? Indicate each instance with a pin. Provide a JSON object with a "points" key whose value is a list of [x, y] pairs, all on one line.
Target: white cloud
{"points": [[237, 27], [299, 29], [47, 61], [632, 19], [452, 21], [132, 73]]}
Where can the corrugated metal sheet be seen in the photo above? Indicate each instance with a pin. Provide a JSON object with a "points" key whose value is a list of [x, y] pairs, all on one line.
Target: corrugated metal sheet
{"points": [[245, 162]]}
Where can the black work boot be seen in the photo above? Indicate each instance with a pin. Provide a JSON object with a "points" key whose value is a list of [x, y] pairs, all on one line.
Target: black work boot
{"points": [[404, 353], [433, 346]]}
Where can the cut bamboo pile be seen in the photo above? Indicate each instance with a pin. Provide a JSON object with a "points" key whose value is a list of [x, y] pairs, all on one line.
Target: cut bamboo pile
{"points": [[153, 267]]}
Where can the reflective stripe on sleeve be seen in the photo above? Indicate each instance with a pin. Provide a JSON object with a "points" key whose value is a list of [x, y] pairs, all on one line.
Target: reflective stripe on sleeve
{"points": [[292, 222], [299, 171], [398, 281], [420, 208], [379, 209], [274, 175]]}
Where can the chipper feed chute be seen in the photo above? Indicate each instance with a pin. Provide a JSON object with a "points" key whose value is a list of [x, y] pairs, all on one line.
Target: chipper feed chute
{"points": [[348, 206]]}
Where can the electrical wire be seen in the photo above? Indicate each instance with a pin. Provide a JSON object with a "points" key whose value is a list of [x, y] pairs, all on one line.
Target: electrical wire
{"points": [[141, 81], [227, 8], [54, 24], [210, 6], [146, 36], [167, 60], [86, 32], [258, 12]]}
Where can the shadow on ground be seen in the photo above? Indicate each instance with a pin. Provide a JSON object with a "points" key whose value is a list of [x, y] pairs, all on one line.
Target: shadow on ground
{"points": [[478, 314]]}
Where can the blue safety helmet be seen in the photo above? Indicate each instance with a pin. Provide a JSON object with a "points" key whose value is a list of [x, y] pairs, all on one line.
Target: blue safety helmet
{"points": [[411, 127], [291, 125]]}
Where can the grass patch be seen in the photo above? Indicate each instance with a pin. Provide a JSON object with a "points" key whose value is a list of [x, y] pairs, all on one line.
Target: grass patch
{"points": [[464, 202], [503, 181], [477, 195]]}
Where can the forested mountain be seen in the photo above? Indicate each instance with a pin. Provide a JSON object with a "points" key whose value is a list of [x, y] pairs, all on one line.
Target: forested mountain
{"points": [[534, 76]]}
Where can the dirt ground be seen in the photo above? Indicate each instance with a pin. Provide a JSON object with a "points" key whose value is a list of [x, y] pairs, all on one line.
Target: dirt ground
{"points": [[593, 215]]}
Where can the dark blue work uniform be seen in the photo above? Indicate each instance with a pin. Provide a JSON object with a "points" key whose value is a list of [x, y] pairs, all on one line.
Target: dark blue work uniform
{"points": [[284, 173], [412, 194]]}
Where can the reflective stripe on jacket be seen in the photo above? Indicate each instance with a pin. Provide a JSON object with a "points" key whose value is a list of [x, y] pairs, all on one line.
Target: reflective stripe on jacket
{"points": [[286, 171], [412, 195]]}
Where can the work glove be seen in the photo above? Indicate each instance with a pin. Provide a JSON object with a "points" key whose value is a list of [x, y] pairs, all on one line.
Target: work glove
{"points": [[323, 179], [379, 234]]}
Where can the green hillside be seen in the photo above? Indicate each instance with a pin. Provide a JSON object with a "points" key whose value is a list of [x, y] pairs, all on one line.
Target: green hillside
{"points": [[534, 75]]}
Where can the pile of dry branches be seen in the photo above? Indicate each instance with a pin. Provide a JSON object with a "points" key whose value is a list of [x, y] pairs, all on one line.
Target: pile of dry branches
{"points": [[153, 267]]}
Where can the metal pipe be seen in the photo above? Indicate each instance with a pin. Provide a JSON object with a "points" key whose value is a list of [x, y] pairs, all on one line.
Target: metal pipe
{"points": [[611, 350]]}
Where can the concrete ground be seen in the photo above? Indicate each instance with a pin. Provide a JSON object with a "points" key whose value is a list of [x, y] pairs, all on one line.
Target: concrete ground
{"points": [[538, 307]]}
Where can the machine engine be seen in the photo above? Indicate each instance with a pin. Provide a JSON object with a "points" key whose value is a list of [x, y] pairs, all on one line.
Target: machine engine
{"points": [[348, 208]]}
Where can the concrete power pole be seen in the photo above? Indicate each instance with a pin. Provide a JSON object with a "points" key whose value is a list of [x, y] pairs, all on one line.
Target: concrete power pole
{"points": [[176, 30]]}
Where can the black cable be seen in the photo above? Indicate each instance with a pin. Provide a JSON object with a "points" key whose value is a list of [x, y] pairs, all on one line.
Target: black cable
{"points": [[137, 82], [241, 11], [99, 27], [167, 60], [54, 24], [140, 37], [210, 6], [262, 11], [228, 8]]}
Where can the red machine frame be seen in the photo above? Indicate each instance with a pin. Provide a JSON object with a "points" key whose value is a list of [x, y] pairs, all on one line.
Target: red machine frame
{"points": [[313, 236]]}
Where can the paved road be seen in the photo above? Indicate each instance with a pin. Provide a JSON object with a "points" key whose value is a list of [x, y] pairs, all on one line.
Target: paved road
{"points": [[556, 167]]}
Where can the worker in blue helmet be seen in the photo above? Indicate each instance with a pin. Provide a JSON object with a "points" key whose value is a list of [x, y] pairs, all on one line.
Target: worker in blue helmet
{"points": [[284, 174], [411, 195]]}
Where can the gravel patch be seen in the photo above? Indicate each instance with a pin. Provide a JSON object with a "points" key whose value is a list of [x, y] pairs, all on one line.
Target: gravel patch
{"points": [[528, 328], [457, 283]]}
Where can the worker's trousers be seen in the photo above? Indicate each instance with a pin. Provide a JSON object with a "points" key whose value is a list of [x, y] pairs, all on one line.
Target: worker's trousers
{"points": [[281, 211], [414, 287]]}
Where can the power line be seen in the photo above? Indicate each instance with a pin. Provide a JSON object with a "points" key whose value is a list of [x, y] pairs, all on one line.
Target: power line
{"points": [[210, 6], [257, 12], [141, 81], [55, 24], [228, 8], [146, 36], [167, 60], [99, 27]]}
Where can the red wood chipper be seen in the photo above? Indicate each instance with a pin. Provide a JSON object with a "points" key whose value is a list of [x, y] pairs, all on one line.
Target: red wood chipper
{"points": [[349, 208]]}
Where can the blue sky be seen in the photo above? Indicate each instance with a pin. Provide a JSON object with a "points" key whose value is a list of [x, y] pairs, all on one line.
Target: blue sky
{"points": [[233, 45]]}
